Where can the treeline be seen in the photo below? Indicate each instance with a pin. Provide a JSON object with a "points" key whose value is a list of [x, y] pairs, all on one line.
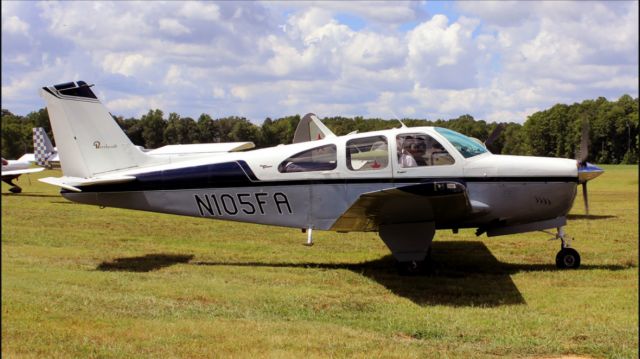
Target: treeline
{"points": [[555, 132]]}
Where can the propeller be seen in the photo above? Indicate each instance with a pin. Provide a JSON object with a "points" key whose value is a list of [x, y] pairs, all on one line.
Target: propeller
{"points": [[494, 134], [583, 151], [586, 171]]}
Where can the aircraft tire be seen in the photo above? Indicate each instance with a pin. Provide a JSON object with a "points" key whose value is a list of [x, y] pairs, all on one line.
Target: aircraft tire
{"points": [[568, 258], [412, 268], [416, 267], [15, 189]]}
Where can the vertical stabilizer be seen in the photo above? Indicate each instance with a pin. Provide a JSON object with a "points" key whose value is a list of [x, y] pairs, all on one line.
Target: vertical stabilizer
{"points": [[88, 139]]}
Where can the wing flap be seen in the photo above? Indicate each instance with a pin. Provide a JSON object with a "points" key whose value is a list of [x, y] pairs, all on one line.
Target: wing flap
{"points": [[426, 202]]}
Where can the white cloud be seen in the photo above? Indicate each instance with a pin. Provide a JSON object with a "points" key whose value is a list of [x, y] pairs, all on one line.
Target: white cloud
{"points": [[495, 61], [138, 105], [385, 12], [241, 92], [435, 40], [126, 64], [502, 13], [173, 27], [443, 55], [375, 51], [196, 10], [175, 77], [218, 92], [14, 25]]}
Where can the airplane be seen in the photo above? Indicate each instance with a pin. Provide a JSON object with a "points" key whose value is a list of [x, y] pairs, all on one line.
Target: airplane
{"points": [[45, 154], [12, 169], [404, 183]]}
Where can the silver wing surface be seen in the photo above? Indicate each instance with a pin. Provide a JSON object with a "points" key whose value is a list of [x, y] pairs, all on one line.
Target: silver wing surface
{"points": [[442, 201]]}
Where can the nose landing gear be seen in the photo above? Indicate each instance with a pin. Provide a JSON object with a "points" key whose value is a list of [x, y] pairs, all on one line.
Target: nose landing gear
{"points": [[567, 257]]}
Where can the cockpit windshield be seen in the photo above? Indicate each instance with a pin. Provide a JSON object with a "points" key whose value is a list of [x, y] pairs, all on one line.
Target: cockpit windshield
{"points": [[465, 145]]}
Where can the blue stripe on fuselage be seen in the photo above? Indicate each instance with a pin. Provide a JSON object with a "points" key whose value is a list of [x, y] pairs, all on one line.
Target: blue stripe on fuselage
{"points": [[239, 174]]}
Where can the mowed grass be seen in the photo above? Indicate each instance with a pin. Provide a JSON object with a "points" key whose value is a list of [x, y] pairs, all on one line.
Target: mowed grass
{"points": [[80, 281]]}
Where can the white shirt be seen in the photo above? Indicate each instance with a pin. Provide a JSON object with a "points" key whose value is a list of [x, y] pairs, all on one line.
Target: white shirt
{"points": [[406, 160]]}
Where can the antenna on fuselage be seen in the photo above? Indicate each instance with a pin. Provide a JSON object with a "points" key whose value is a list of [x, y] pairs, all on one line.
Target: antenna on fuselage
{"points": [[402, 125]]}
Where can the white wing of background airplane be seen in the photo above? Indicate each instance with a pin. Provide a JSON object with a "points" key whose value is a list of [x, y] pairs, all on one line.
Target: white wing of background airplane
{"points": [[201, 148], [21, 172]]}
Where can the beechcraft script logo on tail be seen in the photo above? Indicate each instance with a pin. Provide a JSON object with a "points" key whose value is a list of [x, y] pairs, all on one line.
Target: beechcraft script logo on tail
{"points": [[100, 146]]}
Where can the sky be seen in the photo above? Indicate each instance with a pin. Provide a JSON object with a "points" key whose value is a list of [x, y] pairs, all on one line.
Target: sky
{"points": [[497, 61]]}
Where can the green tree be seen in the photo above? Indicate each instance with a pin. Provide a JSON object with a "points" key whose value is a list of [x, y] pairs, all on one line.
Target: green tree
{"points": [[16, 138], [208, 130], [153, 126], [243, 130]]}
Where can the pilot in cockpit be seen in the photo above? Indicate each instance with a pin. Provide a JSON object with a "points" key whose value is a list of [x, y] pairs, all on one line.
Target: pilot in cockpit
{"points": [[406, 157], [418, 151]]}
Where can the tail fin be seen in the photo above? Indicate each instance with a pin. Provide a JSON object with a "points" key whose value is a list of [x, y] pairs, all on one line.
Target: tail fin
{"points": [[42, 147], [88, 139], [310, 129]]}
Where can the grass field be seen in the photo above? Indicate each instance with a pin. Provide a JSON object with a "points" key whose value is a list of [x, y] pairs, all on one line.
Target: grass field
{"points": [[80, 281]]}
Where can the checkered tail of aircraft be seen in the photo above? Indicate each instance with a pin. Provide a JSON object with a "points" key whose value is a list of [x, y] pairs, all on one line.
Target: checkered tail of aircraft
{"points": [[42, 148]]}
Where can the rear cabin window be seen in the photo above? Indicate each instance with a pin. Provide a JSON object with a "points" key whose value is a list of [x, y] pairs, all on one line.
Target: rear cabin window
{"points": [[368, 153], [419, 149], [316, 159]]}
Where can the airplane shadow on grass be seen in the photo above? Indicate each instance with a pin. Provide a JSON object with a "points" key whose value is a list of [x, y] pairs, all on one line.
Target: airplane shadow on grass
{"points": [[147, 263], [588, 216], [463, 273], [33, 194]]}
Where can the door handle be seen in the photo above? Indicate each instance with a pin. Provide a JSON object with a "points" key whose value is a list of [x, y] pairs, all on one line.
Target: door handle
{"points": [[401, 171]]}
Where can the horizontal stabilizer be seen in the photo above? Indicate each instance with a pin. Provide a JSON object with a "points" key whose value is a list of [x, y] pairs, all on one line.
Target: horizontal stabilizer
{"points": [[27, 157], [201, 148], [22, 172], [72, 183]]}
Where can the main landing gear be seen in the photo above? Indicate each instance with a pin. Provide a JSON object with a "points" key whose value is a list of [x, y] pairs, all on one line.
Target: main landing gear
{"points": [[567, 257], [416, 267]]}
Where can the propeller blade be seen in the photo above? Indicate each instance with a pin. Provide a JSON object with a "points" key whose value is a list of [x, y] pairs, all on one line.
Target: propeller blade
{"points": [[584, 143], [495, 134], [585, 197]]}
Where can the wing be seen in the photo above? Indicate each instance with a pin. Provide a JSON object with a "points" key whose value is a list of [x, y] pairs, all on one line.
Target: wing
{"points": [[21, 172], [439, 201]]}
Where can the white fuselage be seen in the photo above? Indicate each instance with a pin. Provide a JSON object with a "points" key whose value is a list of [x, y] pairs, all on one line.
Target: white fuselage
{"points": [[254, 188]]}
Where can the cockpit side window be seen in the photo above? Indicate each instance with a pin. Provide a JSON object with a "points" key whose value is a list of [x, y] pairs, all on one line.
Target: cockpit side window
{"points": [[419, 149], [368, 153], [321, 158], [465, 145]]}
